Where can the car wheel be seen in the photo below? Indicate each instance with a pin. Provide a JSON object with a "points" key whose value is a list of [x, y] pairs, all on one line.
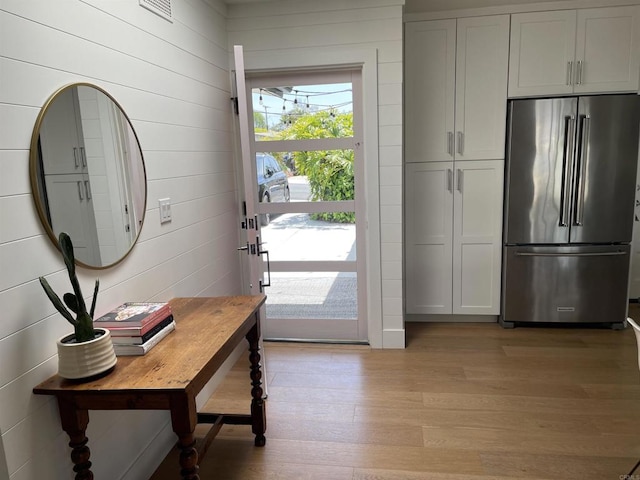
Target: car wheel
{"points": [[265, 218], [287, 194]]}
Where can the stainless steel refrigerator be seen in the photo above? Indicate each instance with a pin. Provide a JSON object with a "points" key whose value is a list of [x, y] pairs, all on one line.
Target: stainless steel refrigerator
{"points": [[570, 185]]}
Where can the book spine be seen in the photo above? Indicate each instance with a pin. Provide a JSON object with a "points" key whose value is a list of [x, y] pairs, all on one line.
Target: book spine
{"points": [[145, 347], [162, 312], [136, 339]]}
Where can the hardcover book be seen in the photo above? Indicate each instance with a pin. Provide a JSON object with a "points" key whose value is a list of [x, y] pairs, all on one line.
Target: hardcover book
{"points": [[134, 314], [137, 338], [148, 345]]}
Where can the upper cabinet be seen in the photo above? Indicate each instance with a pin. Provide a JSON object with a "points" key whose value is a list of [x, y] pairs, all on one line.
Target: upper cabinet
{"points": [[456, 88], [575, 51]]}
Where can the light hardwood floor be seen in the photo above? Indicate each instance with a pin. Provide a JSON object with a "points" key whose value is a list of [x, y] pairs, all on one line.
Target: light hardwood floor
{"points": [[462, 402]]}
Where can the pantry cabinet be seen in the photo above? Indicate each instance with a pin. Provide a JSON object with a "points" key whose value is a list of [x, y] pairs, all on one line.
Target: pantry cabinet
{"points": [[453, 242], [594, 50], [456, 88]]}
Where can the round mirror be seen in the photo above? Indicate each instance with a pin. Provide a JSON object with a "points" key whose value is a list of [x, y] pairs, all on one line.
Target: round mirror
{"points": [[87, 174]]}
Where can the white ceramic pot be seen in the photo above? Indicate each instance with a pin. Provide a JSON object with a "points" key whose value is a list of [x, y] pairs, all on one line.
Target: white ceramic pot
{"points": [[86, 359]]}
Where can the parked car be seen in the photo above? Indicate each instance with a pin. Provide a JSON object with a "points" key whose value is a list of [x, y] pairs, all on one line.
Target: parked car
{"points": [[273, 185]]}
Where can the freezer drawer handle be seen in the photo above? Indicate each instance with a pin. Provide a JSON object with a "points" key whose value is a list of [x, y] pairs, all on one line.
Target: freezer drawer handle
{"points": [[589, 254]]}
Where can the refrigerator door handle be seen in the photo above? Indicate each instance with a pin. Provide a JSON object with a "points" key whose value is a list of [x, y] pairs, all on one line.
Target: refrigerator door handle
{"points": [[578, 218], [586, 254], [567, 154]]}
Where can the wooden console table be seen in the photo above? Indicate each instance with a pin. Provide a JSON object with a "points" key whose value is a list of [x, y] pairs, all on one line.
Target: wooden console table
{"points": [[169, 377]]}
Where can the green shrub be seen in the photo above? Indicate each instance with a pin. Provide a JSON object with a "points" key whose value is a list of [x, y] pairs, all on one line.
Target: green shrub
{"points": [[330, 173]]}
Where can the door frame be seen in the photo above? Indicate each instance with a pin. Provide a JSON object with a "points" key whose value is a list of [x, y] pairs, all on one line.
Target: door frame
{"points": [[366, 61]]}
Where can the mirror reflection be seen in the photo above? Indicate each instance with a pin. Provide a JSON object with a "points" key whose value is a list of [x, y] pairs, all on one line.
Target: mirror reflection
{"points": [[87, 174]]}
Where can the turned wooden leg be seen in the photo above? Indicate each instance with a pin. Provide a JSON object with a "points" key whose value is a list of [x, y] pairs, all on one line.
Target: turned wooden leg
{"points": [[258, 414], [74, 421], [184, 419], [188, 457], [80, 456]]}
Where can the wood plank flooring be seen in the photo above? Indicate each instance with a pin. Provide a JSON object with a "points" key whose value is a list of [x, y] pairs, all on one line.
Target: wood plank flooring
{"points": [[462, 402]]}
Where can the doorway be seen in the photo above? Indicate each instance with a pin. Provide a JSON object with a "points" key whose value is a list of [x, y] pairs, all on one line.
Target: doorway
{"points": [[306, 159]]}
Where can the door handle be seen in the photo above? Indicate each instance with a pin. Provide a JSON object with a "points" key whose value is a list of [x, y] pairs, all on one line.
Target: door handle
{"points": [[80, 196], [450, 143], [578, 218], [579, 73], [87, 188], [450, 180], [75, 157], [460, 142], [567, 154], [569, 72], [268, 282], [459, 184]]}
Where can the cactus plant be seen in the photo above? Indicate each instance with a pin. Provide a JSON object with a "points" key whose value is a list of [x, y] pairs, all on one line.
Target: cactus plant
{"points": [[83, 322]]}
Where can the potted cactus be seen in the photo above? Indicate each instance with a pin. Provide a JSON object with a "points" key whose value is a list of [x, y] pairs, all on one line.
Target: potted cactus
{"points": [[88, 351]]}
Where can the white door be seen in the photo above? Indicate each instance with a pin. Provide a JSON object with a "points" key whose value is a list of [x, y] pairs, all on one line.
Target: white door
{"points": [[607, 46], [305, 199], [477, 229], [430, 68], [542, 53], [429, 241], [481, 87]]}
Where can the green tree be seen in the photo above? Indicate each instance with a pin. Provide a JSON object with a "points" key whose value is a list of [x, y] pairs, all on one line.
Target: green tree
{"points": [[330, 173]]}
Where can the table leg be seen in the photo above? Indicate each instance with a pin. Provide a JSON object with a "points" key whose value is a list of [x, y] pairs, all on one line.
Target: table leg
{"points": [[258, 414], [74, 422], [183, 420]]}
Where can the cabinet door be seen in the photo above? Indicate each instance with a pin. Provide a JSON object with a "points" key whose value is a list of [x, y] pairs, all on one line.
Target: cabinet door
{"points": [[429, 210], [477, 234], [608, 49], [61, 136], [71, 211], [482, 58], [541, 59], [429, 90]]}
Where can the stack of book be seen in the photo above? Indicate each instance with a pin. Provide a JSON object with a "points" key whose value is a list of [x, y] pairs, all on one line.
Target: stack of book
{"points": [[137, 327]]}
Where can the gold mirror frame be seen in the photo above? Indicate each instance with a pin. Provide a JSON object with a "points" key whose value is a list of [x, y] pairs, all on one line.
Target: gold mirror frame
{"points": [[88, 175]]}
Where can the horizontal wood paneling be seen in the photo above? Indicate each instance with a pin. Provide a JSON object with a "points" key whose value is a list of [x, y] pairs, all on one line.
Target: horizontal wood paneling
{"points": [[173, 82]]}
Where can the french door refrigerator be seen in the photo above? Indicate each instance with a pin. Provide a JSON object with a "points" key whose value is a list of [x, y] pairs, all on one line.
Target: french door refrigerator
{"points": [[570, 185]]}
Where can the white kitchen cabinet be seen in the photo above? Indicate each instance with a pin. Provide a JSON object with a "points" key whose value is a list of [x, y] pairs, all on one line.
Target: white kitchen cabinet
{"points": [[456, 88], [594, 50], [61, 137], [71, 210], [453, 237]]}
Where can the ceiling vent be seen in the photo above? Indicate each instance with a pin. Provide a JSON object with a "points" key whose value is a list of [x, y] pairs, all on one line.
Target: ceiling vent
{"points": [[159, 7]]}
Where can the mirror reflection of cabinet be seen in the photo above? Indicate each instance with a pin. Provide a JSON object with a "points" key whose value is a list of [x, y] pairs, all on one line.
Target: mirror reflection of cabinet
{"points": [[66, 176], [87, 174]]}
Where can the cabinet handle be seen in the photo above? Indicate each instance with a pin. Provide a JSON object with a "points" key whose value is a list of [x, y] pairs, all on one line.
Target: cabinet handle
{"points": [[579, 75], [87, 188], [460, 143], [450, 143], [450, 180], [569, 72], [80, 196], [75, 157], [459, 182], [83, 157]]}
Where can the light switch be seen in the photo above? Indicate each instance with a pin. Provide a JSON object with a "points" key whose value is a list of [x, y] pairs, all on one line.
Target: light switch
{"points": [[165, 209]]}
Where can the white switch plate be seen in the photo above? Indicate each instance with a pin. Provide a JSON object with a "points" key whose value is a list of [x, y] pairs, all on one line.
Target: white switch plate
{"points": [[165, 209]]}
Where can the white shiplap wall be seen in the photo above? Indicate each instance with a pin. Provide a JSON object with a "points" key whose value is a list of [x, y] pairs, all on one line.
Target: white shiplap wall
{"points": [[172, 79], [315, 33]]}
